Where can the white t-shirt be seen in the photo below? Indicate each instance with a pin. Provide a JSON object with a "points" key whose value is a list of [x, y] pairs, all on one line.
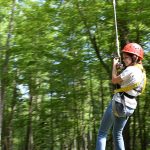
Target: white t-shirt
{"points": [[130, 76]]}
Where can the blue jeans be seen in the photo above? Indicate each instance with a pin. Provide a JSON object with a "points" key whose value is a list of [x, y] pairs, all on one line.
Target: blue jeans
{"points": [[118, 124]]}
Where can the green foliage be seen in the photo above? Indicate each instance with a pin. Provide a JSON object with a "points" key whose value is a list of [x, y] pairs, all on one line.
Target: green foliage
{"points": [[57, 87]]}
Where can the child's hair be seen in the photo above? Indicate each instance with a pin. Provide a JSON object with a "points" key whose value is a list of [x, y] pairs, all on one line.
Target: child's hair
{"points": [[135, 58]]}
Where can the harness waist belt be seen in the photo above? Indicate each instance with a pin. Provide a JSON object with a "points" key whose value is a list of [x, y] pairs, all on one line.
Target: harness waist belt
{"points": [[129, 96]]}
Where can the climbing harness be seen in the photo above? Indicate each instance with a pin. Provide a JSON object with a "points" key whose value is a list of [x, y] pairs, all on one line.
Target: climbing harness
{"points": [[116, 29], [133, 86], [119, 108]]}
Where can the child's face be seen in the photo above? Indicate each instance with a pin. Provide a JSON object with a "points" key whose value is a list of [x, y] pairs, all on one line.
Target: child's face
{"points": [[127, 59]]}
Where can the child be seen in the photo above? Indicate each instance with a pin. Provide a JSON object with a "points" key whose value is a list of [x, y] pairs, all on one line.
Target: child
{"points": [[131, 81]]}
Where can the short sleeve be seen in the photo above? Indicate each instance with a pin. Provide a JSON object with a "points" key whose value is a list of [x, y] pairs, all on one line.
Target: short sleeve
{"points": [[126, 74]]}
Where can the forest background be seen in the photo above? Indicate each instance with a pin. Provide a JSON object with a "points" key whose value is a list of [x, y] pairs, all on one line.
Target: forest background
{"points": [[55, 61]]}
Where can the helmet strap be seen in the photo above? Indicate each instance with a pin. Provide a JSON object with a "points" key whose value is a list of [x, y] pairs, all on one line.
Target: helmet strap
{"points": [[135, 59]]}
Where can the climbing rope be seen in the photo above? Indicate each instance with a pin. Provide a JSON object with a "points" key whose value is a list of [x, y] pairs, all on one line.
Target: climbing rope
{"points": [[116, 29]]}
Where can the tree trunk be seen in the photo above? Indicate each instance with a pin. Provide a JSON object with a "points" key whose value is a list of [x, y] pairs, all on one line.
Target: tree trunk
{"points": [[134, 132], [8, 125], [4, 73], [139, 124], [93, 41], [89, 139], [29, 136], [144, 122]]}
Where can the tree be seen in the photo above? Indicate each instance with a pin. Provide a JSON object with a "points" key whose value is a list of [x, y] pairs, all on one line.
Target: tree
{"points": [[56, 71]]}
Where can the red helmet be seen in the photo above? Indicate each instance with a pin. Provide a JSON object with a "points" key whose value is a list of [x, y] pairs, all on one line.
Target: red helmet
{"points": [[134, 48]]}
